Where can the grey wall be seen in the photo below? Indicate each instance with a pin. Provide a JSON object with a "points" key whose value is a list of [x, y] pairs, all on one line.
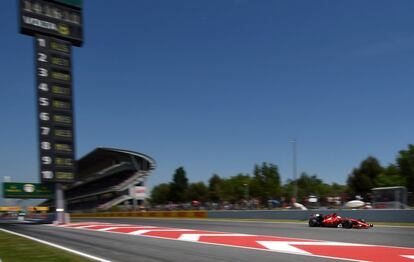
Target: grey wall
{"points": [[370, 215]]}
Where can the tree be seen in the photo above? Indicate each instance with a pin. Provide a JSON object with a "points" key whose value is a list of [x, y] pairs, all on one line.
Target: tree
{"points": [[179, 186], [359, 184], [337, 189], [405, 162], [266, 182], [160, 193], [390, 177], [363, 178], [287, 190], [214, 185], [371, 167], [234, 188], [198, 191], [309, 185]]}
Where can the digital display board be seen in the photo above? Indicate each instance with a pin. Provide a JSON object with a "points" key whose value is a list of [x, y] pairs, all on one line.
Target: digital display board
{"points": [[27, 190], [72, 3], [55, 109], [52, 19]]}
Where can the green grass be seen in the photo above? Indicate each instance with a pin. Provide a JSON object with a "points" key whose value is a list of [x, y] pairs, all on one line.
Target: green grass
{"points": [[15, 249]]}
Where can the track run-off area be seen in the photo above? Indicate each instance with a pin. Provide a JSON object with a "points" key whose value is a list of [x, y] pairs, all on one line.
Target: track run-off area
{"points": [[211, 240]]}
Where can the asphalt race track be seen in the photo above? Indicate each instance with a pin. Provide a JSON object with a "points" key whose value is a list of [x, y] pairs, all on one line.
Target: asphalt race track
{"points": [[124, 247]]}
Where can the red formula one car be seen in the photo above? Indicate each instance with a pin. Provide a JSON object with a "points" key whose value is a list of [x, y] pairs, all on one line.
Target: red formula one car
{"points": [[333, 220]]}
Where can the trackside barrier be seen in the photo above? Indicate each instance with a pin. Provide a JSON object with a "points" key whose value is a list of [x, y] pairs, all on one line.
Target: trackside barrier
{"points": [[370, 215], [160, 214]]}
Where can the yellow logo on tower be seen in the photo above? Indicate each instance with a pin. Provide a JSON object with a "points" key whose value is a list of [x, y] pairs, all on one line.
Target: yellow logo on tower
{"points": [[63, 29]]}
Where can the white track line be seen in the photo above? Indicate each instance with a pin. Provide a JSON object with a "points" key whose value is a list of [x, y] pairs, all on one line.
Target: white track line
{"points": [[196, 237], [143, 231], [56, 246]]}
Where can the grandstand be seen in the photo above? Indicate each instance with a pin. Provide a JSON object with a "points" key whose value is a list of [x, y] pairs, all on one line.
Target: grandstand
{"points": [[106, 178]]}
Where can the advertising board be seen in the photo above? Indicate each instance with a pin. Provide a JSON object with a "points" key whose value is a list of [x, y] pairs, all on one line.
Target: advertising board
{"points": [[27, 190], [140, 192]]}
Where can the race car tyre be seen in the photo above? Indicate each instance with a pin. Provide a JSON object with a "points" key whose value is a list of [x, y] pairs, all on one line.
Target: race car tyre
{"points": [[319, 218], [313, 222], [346, 224]]}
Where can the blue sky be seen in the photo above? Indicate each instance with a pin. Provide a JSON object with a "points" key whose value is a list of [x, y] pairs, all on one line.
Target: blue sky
{"points": [[217, 86]]}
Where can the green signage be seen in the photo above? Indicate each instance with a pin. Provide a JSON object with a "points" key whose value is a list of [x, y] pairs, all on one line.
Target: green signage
{"points": [[27, 190]]}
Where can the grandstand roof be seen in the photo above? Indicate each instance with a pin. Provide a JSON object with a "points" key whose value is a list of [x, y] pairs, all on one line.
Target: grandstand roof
{"points": [[102, 153]]}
